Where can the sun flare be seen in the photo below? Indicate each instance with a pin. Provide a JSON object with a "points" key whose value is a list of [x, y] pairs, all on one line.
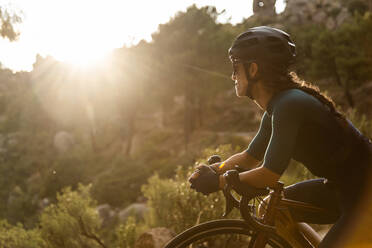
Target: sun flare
{"points": [[81, 57]]}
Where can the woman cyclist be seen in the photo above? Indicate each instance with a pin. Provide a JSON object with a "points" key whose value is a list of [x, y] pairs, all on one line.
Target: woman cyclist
{"points": [[299, 123]]}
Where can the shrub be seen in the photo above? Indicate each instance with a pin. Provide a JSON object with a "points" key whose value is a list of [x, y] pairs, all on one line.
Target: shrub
{"points": [[17, 237], [121, 185], [73, 221], [174, 205], [126, 234]]}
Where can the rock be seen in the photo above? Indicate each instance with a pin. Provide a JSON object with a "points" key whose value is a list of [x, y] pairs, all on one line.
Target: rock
{"points": [[13, 139], [319, 17], [14, 197], [14, 135], [2, 141], [12, 142], [107, 214], [3, 119], [264, 7], [63, 141], [342, 17], [311, 7], [328, 12], [154, 238], [136, 209], [331, 23], [43, 203], [34, 180]]}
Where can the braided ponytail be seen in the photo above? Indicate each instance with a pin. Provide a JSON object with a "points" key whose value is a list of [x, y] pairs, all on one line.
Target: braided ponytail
{"points": [[278, 81], [314, 91]]}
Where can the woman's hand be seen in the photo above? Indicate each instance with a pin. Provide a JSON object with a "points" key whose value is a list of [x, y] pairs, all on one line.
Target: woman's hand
{"points": [[205, 180]]}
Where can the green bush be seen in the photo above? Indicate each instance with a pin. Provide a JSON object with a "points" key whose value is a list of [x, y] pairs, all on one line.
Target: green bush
{"points": [[127, 233], [174, 205], [17, 237], [73, 221], [121, 185]]}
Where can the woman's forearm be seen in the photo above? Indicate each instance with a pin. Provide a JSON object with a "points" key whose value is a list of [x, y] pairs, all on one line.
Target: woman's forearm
{"points": [[243, 159], [260, 177]]}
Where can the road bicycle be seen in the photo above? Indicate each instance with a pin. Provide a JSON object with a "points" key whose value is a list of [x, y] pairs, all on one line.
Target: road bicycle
{"points": [[266, 222]]}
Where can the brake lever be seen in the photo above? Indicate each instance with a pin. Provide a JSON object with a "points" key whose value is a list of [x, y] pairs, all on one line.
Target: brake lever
{"points": [[231, 201]]}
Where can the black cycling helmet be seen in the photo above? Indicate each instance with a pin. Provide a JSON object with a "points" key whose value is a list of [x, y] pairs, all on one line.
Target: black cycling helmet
{"points": [[264, 44]]}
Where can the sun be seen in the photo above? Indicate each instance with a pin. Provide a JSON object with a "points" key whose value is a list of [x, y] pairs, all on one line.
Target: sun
{"points": [[86, 35], [82, 47]]}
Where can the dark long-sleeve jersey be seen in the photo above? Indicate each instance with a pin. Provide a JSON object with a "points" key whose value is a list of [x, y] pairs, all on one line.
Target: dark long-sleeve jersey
{"points": [[297, 125]]}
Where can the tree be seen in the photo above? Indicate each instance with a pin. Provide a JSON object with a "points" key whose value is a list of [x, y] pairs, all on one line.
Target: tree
{"points": [[190, 45], [7, 22], [18, 237], [345, 54], [73, 221]]}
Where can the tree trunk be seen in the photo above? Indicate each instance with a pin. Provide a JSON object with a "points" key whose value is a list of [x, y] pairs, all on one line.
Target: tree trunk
{"points": [[187, 126], [93, 140], [131, 131], [348, 94], [200, 111]]}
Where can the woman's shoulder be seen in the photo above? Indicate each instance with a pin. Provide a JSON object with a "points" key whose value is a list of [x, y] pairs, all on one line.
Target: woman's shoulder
{"points": [[295, 100], [293, 97]]}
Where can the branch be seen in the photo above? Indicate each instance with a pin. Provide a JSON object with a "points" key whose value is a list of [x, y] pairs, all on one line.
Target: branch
{"points": [[89, 235]]}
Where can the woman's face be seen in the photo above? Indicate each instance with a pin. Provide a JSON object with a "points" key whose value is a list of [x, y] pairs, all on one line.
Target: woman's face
{"points": [[241, 82]]}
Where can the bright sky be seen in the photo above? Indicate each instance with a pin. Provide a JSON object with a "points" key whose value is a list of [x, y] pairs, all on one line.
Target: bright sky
{"points": [[82, 31]]}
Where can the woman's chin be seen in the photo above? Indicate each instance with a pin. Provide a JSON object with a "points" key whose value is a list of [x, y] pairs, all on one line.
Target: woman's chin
{"points": [[239, 92]]}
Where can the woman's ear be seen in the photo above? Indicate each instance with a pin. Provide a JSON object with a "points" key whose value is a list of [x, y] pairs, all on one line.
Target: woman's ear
{"points": [[253, 70]]}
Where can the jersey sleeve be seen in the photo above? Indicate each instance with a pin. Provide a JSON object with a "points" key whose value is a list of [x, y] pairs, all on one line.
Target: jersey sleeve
{"points": [[258, 145], [286, 119]]}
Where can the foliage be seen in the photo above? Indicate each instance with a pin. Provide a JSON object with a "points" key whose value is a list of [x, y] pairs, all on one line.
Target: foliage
{"points": [[17, 237], [121, 185], [357, 6], [342, 55], [127, 233], [295, 173], [21, 207], [361, 122], [175, 194], [72, 221], [181, 78], [8, 20], [185, 62]]}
